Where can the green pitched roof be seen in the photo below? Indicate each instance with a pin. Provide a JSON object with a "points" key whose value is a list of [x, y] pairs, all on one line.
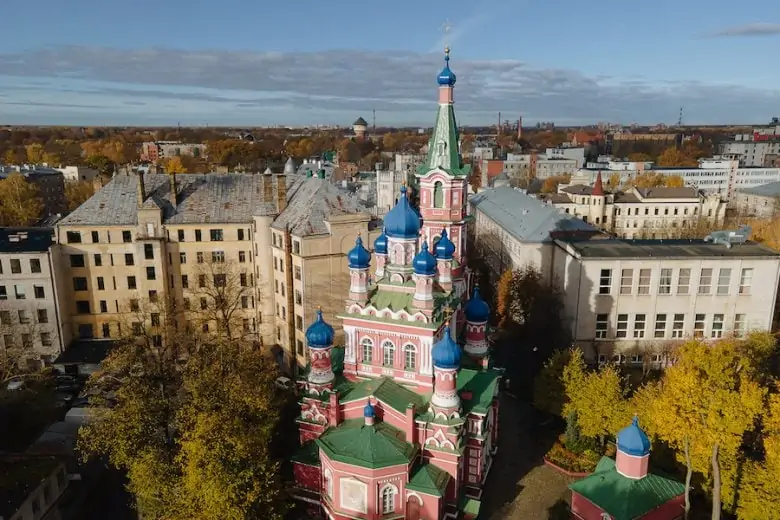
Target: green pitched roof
{"points": [[449, 159], [385, 389], [396, 301], [622, 497], [376, 446], [482, 386], [429, 479], [309, 454], [469, 505]]}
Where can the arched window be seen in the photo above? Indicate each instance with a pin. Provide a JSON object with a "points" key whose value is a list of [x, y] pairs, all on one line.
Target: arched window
{"points": [[327, 483], [368, 350], [410, 357], [388, 353], [388, 500], [438, 195]]}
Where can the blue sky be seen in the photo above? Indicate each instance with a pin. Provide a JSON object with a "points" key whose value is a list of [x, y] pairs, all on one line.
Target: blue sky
{"points": [[242, 62]]}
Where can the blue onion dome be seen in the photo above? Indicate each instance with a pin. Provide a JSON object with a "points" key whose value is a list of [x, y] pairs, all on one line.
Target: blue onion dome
{"points": [[424, 262], [444, 247], [477, 310], [632, 440], [359, 257], [446, 353], [380, 244], [446, 76], [402, 221], [320, 334], [368, 410]]}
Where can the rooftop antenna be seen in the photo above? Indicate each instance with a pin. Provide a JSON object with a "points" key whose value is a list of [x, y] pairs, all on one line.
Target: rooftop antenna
{"points": [[373, 126], [680, 119]]}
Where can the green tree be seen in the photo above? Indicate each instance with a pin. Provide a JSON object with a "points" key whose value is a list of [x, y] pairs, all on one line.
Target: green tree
{"points": [[20, 204], [549, 388]]}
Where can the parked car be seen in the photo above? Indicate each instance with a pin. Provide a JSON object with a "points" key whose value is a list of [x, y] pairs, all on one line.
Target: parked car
{"points": [[16, 383]]}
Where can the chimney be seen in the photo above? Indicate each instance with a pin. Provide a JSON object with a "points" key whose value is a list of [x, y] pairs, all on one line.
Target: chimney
{"points": [[141, 191], [268, 188], [281, 193], [174, 190]]}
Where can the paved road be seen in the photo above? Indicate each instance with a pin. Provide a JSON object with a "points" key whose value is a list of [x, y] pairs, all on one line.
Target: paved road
{"points": [[520, 486]]}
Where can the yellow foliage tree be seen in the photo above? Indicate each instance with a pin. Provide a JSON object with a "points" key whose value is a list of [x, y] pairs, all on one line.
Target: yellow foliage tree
{"points": [[503, 296], [759, 496], [549, 388], [77, 193], [550, 184], [674, 181], [672, 157], [647, 180], [614, 182], [174, 165], [20, 204], [34, 153], [639, 157], [599, 400]]}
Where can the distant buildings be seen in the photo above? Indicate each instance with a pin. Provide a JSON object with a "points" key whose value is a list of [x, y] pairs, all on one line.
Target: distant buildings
{"points": [[759, 201], [760, 148], [78, 173], [154, 151], [360, 127]]}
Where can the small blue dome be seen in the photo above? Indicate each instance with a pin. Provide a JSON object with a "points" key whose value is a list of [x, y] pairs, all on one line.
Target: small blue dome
{"points": [[477, 311], [320, 334], [402, 221], [444, 247], [446, 76], [359, 257], [380, 244], [446, 353], [632, 440], [368, 410], [424, 262]]}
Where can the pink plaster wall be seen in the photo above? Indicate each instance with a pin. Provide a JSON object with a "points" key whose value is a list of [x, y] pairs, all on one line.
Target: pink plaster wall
{"points": [[630, 466], [584, 509]]}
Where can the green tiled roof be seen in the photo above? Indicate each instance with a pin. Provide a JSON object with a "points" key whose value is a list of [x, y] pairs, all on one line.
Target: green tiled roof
{"points": [[429, 479], [469, 505], [626, 498], [376, 446], [446, 130], [309, 454], [396, 301], [385, 389], [481, 384]]}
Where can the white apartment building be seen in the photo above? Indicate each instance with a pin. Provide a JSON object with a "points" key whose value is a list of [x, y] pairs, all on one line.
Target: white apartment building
{"points": [[78, 173], [635, 301], [29, 296], [756, 149], [760, 201]]}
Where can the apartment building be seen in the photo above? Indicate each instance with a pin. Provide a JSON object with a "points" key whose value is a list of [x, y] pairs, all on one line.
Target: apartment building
{"points": [[759, 148], [32, 486], [50, 184], [634, 301], [154, 151], [640, 212], [309, 243], [760, 201], [29, 299]]}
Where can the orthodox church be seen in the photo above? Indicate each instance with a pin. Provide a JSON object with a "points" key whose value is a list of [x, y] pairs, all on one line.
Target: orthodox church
{"points": [[402, 421]]}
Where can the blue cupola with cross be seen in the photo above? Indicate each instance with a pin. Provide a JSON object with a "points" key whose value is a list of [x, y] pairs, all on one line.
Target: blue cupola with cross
{"points": [[402, 221]]}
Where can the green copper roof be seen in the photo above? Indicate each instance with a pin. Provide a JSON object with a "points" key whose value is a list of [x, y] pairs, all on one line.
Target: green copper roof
{"points": [[309, 454], [429, 479], [388, 391], [376, 446], [396, 301], [443, 147], [469, 506], [482, 386], [625, 498]]}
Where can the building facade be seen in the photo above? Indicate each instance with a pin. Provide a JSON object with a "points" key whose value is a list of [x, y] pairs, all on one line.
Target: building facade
{"points": [[154, 151], [759, 201], [399, 423], [757, 149]]}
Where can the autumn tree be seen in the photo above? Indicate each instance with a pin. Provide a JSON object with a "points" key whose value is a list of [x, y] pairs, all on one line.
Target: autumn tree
{"points": [[34, 153], [20, 204], [614, 181], [672, 157], [759, 495], [550, 184], [174, 165], [549, 388], [639, 157], [77, 193]]}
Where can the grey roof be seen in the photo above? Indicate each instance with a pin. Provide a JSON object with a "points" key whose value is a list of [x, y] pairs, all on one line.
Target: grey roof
{"points": [[311, 202], [203, 198], [25, 240], [663, 192], [667, 249], [765, 190], [524, 217]]}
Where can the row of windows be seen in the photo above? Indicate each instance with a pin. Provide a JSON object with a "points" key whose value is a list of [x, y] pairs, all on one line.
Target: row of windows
{"points": [[278, 241], [16, 265], [667, 326], [78, 260], [387, 354], [387, 495], [215, 235], [709, 282], [23, 317], [279, 266], [20, 292]]}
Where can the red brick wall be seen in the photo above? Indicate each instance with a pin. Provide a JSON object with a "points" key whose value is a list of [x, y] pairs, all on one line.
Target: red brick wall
{"points": [[307, 476]]}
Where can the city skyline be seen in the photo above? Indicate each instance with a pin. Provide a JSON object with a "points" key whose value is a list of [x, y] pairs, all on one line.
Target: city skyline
{"points": [[250, 65]]}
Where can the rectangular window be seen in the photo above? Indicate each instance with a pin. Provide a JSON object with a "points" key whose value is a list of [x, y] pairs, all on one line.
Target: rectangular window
{"points": [[73, 237], [201, 280], [705, 281], [185, 282], [77, 260], [155, 319], [724, 280], [245, 302], [134, 305], [95, 237], [739, 325], [297, 272], [35, 265], [199, 257], [216, 235], [745, 281], [180, 235], [103, 306], [299, 346], [182, 258], [16, 266], [20, 292], [296, 247], [106, 330], [45, 339], [186, 302], [82, 307], [246, 325], [298, 297], [698, 325], [127, 237], [3, 293], [38, 291], [198, 236], [204, 304], [241, 234], [717, 326], [242, 256], [150, 274], [137, 329], [678, 326], [640, 321], [298, 322], [101, 284], [131, 282], [626, 281], [129, 260], [98, 260], [665, 281], [605, 281], [153, 296], [683, 281], [217, 257], [5, 319], [644, 281], [220, 280], [602, 325], [79, 283], [243, 281], [43, 316], [149, 251], [23, 317], [622, 326], [660, 326]]}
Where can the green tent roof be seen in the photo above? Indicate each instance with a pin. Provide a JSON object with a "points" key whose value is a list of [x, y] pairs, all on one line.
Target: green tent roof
{"points": [[481, 384], [622, 497], [429, 479], [445, 133], [386, 390], [376, 446]]}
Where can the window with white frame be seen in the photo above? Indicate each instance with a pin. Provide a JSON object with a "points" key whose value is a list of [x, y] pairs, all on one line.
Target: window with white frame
{"points": [[388, 500], [602, 359], [683, 281], [660, 326], [724, 280], [602, 324], [745, 281], [410, 357], [626, 281], [388, 353], [705, 281], [640, 321], [605, 281], [367, 347], [621, 331], [698, 325], [637, 359], [327, 483], [644, 281], [717, 326], [678, 326], [665, 282], [739, 325]]}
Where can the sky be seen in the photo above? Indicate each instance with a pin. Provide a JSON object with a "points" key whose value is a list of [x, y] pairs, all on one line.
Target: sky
{"points": [[306, 62]]}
